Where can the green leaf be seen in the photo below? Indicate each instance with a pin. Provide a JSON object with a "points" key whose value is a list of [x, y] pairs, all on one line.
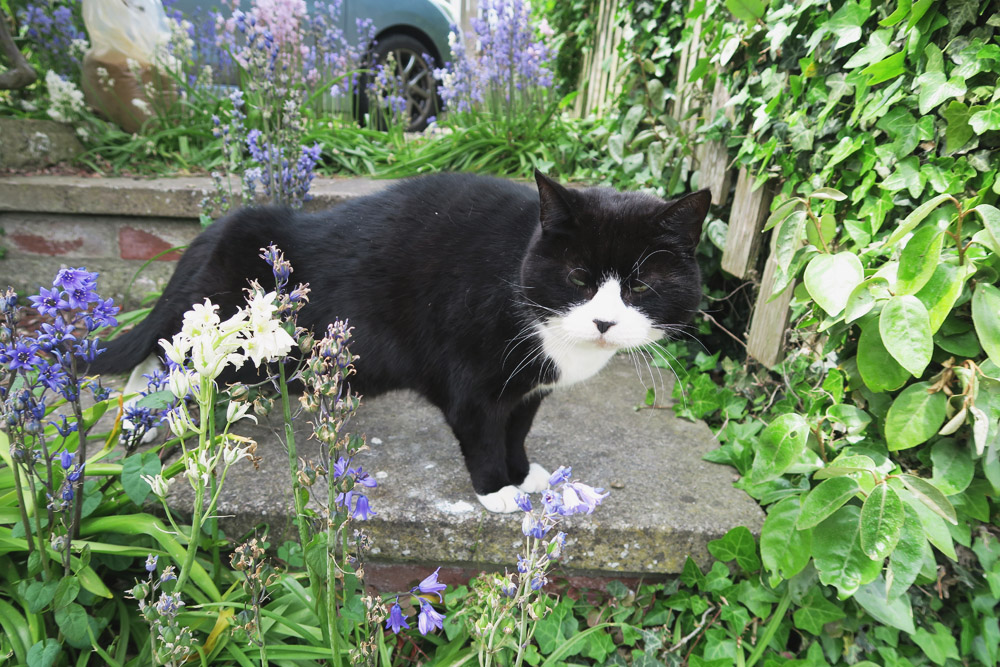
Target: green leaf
{"points": [[846, 24], [885, 69], [44, 653], [72, 621], [779, 446], [863, 297], [915, 416], [939, 645], [991, 220], [39, 594], [878, 47], [788, 237], [902, 9], [986, 317], [825, 499], [919, 259], [784, 549], [917, 216], [158, 400], [850, 419], [905, 131], [133, 467], [958, 132], [935, 88], [631, 121], [739, 545], [827, 193], [815, 611], [930, 496], [953, 466], [896, 612], [905, 330], [655, 156], [881, 522], [986, 120], [908, 556], [906, 176], [837, 552], [879, 371], [616, 148], [941, 291], [66, 592], [830, 279], [747, 10], [846, 465]]}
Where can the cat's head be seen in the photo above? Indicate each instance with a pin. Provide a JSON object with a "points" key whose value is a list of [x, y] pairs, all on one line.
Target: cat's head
{"points": [[612, 270]]}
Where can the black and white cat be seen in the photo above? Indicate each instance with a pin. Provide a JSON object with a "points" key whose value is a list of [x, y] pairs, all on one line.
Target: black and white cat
{"points": [[478, 293]]}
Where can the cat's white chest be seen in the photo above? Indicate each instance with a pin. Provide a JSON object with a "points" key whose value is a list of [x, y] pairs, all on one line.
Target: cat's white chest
{"points": [[581, 341]]}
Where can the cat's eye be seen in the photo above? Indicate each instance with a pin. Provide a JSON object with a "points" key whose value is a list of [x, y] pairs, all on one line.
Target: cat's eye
{"points": [[577, 281], [578, 277], [639, 288]]}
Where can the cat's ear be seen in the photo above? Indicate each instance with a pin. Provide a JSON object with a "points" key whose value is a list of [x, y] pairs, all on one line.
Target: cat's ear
{"points": [[554, 204], [682, 219]]}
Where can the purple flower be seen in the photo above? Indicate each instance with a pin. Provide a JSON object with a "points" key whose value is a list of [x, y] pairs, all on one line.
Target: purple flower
{"points": [[560, 475], [362, 510], [72, 280], [578, 497], [531, 527], [24, 355], [523, 502], [396, 619], [429, 619], [151, 562], [432, 585], [49, 302], [66, 459]]}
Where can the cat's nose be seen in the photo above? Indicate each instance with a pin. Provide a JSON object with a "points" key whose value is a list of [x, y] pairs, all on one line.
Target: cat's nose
{"points": [[603, 326]]}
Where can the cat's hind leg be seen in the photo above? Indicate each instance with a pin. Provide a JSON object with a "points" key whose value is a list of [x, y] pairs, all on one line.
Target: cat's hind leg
{"points": [[533, 477]]}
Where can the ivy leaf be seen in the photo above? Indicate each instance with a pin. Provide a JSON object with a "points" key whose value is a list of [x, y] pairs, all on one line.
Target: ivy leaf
{"points": [[815, 611], [905, 329], [825, 499], [879, 371], [986, 120], [739, 545], [959, 131], [846, 24], [885, 69], [935, 88], [904, 130], [877, 48], [906, 176], [747, 10], [986, 317], [915, 416], [779, 446], [896, 612], [930, 496], [908, 556], [939, 645], [784, 549], [881, 522], [837, 552], [919, 259], [902, 9], [953, 466], [830, 279]]}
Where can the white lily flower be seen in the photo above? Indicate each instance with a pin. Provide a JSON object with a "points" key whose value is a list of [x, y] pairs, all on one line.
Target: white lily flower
{"points": [[158, 484], [237, 411]]}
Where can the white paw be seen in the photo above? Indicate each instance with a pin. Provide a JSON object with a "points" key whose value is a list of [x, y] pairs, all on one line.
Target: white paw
{"points": [[148, 437], [536, 481], [501, 501]]}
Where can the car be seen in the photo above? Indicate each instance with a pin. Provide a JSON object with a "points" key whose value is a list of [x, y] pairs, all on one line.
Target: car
{"points": [[414, 33]]}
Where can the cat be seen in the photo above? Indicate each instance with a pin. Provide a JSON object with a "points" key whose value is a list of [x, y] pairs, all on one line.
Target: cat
{"points": [[481, 294]]}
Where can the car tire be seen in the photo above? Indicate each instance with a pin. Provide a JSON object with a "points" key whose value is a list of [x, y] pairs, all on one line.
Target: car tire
{"points": [[413, 67]]}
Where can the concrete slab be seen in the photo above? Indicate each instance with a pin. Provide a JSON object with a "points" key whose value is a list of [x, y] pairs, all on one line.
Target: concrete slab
{"points": [[665, 503]]}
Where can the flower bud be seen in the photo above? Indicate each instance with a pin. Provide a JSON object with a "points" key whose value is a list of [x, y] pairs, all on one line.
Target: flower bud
{"points": [[139, 591], [239, 393], [306, 343]]}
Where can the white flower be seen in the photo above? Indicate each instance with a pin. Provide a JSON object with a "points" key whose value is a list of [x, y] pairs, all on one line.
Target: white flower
{"points": [[141, 105], [201, 319], [237, 411], [233, 452], [179, 382], [65, 99], [158, 484]]}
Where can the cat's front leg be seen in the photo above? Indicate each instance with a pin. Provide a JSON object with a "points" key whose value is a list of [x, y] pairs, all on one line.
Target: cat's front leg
{"points": [[481, 432], [529, 477]]}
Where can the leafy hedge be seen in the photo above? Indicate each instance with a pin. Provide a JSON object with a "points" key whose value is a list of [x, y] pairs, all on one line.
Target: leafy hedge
{"points": [[876, 453]]}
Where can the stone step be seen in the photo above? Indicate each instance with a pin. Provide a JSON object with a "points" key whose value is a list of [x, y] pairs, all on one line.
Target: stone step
{"points": [[665, 502]]}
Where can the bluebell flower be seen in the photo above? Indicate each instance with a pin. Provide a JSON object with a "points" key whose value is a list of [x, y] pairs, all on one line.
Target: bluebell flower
{"points": [[23, 355], [151, 562], [397, 620], [531, 527], [429, 619], [362, 510], [523, 501], [431, 585], [49, 302], [522, 564], [66, 458], [578, 497], [561, 475], [538, 582]]}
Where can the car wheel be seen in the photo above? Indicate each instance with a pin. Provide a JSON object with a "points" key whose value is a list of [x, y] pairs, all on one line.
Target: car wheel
{"points": [[416, 73]]}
